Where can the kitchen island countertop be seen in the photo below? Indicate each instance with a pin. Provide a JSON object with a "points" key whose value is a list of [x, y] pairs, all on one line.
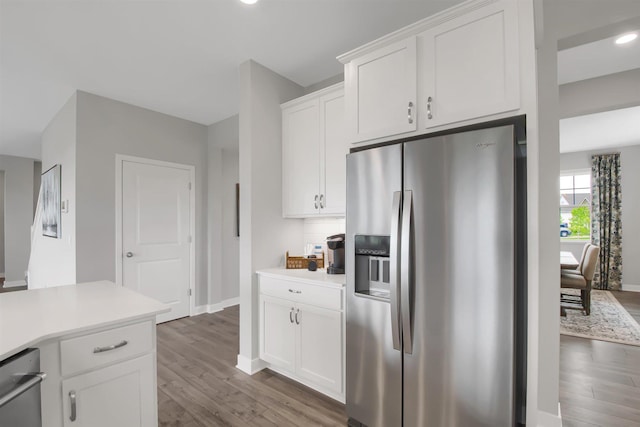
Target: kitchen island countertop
{"points": [[33, 316]]}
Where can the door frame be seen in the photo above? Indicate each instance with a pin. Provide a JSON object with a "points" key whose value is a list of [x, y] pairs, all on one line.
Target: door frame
{"points": [[120, 159]]}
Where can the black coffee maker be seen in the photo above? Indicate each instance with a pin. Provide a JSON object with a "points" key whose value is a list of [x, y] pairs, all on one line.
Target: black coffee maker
{"points": [[335, 244]]}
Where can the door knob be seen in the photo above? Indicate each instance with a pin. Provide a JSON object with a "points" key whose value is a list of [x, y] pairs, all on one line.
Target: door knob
{"points": [[129, 254]]}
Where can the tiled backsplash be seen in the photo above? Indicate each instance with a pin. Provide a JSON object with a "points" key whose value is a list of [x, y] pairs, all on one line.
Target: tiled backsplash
{"points": [[316, 230]]}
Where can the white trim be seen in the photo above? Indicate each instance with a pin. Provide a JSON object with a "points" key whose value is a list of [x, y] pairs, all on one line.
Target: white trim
{"points": [[214, 308], [628, 287], [249, 366], [14, 284], [545, 419], [120, 158]]}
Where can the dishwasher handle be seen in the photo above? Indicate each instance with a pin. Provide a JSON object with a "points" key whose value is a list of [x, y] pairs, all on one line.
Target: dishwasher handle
{"points": [[32, 380]]}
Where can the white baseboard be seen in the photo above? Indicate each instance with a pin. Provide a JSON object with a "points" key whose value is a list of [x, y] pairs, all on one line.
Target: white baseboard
{"points": [[213, 308], [15, 284], [545, 419], [249, 366], [630, 288]]}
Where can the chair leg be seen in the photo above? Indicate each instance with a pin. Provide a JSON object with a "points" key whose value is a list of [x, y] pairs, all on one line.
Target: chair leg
{"points": [[587, 299]]}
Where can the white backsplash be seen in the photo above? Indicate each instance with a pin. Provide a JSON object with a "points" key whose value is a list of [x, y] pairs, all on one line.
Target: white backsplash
{"points": [[316, 230]]}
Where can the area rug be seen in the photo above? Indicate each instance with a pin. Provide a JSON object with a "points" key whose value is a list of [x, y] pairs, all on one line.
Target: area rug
{"points": [[609, 321]]}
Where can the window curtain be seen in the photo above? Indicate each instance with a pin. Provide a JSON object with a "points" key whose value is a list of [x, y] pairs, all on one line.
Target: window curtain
{"points": [[606, 219]]}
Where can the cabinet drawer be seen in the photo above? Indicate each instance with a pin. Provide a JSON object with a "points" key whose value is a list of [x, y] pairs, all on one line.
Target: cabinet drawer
{"points": [[94, 350], [319, 296]]}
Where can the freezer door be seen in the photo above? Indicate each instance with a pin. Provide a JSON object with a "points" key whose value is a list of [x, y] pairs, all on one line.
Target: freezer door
{"points": [[374, 367], [460, 370]]}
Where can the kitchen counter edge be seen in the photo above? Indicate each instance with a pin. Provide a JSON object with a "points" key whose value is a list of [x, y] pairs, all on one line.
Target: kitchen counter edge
{"points": [[34, 316], [318, 278]]}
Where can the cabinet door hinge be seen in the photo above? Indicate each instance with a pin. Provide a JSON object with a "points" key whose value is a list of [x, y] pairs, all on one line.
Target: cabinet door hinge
{"points": [[189, 186], [190, 239], [189, 292]]}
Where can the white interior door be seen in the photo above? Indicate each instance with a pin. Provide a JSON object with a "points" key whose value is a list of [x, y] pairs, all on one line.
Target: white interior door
{"points": [[155, 234]]}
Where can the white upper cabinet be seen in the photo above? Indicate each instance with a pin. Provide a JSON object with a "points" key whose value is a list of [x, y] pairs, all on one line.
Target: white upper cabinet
{"points": [[381, 92], [314, 149], [469, 66], [334, 149], [301, 158], [459, 66]]}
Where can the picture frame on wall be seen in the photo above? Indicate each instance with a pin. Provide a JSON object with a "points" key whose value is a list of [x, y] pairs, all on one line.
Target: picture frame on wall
{"points": [[51, 202]]}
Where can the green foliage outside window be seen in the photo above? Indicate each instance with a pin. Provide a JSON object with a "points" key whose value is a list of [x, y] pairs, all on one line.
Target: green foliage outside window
{"points": [[580, 221]]}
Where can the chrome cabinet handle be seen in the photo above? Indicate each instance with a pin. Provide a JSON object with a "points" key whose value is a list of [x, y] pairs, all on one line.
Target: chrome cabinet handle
{"points": [[291, 315], [33, 380], [406, 249], [129, 254], [297, 312], [410, 112], [315, 201], [295, 291], [72, 399], [429, 101], [394, 270], [322, 201], [110, 347]]}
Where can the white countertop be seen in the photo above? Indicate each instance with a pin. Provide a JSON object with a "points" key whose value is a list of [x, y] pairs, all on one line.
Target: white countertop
{"points": [[29, 317], [318, 277]]}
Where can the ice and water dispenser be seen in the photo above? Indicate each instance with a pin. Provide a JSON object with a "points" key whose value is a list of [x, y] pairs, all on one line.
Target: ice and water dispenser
{"points": [[372, 272]]}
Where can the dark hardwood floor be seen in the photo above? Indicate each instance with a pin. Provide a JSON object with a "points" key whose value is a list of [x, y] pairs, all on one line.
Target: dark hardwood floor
{"points": [[600, 381], [198, 384]]}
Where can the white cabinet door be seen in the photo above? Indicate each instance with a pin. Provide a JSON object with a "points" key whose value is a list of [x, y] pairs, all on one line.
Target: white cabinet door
{"points": [[301, 159], [119, 395], [277, 332], [333, 176], [319, 353], [469, 66], [381, 92]]}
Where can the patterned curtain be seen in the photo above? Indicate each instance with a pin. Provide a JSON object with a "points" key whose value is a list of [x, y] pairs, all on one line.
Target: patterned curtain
{"points": [[606, 219]]}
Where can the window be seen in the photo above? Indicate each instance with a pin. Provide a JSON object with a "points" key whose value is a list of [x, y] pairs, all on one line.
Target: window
{"points": [[575, 206]]}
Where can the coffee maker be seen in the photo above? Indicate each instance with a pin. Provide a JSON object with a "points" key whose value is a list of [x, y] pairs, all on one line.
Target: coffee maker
{"points": [[335, 245]]}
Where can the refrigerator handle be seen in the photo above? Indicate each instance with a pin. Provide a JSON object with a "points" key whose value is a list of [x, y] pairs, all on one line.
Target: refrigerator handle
{"points": [[394, 270], [406, 272]]}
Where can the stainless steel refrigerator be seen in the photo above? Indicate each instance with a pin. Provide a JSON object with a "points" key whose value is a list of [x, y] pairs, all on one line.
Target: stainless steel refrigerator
{"points": [[436, 281]]}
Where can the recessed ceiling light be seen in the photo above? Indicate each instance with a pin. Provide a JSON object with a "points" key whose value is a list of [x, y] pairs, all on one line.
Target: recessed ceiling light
{"points": [[626, 38], [249, 1]]}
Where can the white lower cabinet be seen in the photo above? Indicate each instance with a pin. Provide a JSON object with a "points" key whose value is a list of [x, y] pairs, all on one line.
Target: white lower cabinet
{"points": [[302, 336], [104, 377], [319, 346], [118, 395]]}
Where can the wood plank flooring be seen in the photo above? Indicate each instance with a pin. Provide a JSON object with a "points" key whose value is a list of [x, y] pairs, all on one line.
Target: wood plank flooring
{"points": [[600, 381], [198, 384]]}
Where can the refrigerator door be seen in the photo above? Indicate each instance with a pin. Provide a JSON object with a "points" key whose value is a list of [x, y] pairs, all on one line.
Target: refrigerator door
{"points": [[460, 370], [374, 367]]}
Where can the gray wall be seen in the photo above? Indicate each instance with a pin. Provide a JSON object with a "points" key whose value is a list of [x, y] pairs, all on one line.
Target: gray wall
{"points": [[600, 94], [105, 128], [53, 261], [264, 234], [630, 159], [37, 178], [18, 215], [2, 222], [224, 245]]}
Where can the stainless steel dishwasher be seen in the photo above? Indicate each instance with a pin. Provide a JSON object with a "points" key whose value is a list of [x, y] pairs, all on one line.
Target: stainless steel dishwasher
{"points": [[20, 379]]}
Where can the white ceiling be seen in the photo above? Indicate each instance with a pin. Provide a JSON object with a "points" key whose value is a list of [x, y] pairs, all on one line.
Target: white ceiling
{"points": [[615, 128], [597, 59], [178, 57]]}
